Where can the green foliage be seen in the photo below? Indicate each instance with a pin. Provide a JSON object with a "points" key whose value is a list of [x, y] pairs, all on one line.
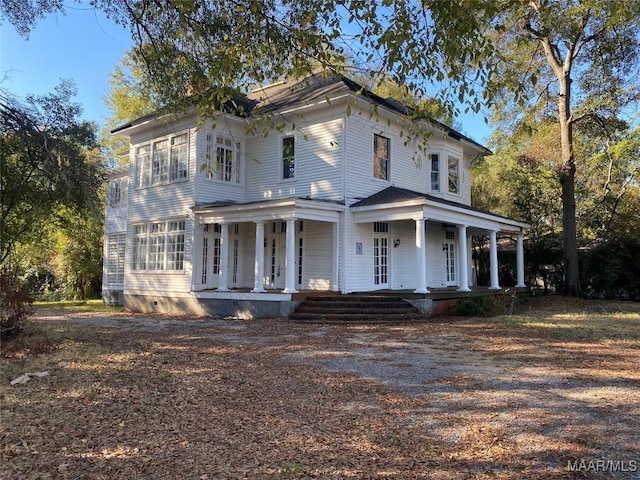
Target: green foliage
{"points": [[50, 158], [480, 306], [77, 263], [611, 270], [131, 96], [14, 302]]}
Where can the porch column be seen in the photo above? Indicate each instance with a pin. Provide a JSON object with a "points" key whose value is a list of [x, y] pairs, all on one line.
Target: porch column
{"points": [[520, 262], [493, 260], [224, 257], [463, 284], [470, 261], [421, 261], [258, 285], [290, 260]]}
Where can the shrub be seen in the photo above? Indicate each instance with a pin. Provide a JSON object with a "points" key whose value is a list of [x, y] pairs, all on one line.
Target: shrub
{"points": [[15, 301], [482, 306]]}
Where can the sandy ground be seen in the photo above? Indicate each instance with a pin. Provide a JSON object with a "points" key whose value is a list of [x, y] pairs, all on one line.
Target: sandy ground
{"points": [[447, 399]]}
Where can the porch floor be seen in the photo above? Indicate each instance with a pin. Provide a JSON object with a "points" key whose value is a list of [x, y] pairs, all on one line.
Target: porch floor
{"points": [[445, 293]]}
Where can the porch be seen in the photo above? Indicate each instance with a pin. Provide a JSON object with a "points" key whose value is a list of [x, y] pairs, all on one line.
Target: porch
{"points": [[363, 307]]}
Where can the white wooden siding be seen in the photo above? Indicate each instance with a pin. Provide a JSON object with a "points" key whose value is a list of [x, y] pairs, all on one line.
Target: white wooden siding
{"points": [[318, 252], [436, 274], [318, 171], [403, 257]]}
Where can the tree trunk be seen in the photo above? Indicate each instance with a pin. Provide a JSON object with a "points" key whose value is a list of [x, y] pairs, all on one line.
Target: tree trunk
{"points": [[567, 173], [569, 240]]}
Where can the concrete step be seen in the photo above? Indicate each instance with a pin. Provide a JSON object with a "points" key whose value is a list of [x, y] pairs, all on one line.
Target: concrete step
{"points": [[355, 309]]}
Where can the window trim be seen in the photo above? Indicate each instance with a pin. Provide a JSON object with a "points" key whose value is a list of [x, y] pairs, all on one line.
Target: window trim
{"points": [[387, 169], [168, 233], [281, 156], [118, 192], [458, 175], [144, 171], [211, 145], [117, 241], [438, 172]]}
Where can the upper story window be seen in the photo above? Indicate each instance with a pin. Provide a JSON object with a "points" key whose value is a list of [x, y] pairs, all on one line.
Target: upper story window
{"points": [[453, 175], [435, 172], [288, 155], [118, 189], [381, 157], [163, 161], [222, 159]]}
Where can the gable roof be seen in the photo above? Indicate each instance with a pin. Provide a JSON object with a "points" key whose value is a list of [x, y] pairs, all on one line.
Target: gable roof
{"points": [[395, 194]]}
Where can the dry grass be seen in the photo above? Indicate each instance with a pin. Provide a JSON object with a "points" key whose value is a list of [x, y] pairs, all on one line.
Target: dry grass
{"points": [[509, 398]]}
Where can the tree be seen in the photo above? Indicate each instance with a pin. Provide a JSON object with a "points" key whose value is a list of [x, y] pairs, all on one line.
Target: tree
{"points": [[46, 162], [577, 57], [132, 95], [570, 60]]}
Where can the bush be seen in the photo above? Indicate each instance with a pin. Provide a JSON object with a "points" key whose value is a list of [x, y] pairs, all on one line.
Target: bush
{"points": [[15, 302], [482, 306], [611, 270]]}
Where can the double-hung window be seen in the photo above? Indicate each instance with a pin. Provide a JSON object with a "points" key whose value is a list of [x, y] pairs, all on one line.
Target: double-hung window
{"points": [[159, 246], [288, 157], [163, 161], [117, 195], [435, 172], [381, 157], [175, 246], [453, 164], [179, 157], [140, 247], [222, 159]]}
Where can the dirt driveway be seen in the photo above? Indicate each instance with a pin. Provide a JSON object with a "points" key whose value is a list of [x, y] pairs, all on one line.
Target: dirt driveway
{"points": [[130, 396]]}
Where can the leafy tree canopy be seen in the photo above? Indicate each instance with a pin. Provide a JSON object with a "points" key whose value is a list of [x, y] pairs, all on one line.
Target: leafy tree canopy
{"points": [[49, 157]]}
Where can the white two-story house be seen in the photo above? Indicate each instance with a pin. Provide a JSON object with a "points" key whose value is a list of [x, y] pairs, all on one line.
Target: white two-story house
{"points": [[228, 217]]}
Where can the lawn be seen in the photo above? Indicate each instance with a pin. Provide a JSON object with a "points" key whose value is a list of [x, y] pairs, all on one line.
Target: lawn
{"points": [[154, 397]]}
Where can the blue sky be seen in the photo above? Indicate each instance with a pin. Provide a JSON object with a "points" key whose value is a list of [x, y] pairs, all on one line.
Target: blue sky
{"points": [[85, 46], [82, 45]]}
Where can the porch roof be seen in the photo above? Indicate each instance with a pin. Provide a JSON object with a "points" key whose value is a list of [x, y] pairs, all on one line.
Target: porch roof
{"points": [[399, 203], [269, 209]]}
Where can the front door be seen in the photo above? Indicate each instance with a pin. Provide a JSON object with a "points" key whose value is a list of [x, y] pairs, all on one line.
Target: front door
{"points": [[275, 255], [449, 248], [210, 261], [381, 262]]}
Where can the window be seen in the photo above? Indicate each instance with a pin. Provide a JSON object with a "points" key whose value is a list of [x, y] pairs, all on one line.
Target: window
{"points": [[222, 159], [115, 258], [435, 172], [381, 157], [453, 175], [380, 227], [140, 247], [175, 246], [288, 157], [179, 157], [118, 190], [143, 155], [157, 239], [159, 246], [163, 161]]}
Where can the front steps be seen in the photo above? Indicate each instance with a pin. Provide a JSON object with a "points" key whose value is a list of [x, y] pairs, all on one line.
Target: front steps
{"points": [[359, 309]]}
